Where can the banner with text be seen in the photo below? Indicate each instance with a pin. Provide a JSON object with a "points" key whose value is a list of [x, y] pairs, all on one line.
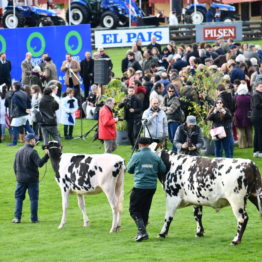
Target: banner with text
{"points": [[57, 41], [121, 38], [213, 32]]}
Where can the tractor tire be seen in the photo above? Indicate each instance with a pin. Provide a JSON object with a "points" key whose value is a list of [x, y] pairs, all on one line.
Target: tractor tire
{"points": [[199, 17], [123, 22], [228, 19], [109, 20], [11, 21], [79, 15]]}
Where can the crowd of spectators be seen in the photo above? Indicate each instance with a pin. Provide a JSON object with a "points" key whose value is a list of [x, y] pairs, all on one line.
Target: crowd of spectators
{"points": [[161, 91]]}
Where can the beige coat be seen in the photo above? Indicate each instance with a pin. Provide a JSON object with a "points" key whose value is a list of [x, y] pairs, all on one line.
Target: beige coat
{"points": [[50, 72], [75, 67], [27, 68]]}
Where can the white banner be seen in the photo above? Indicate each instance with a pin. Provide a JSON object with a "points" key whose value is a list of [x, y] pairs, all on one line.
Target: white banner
{"points": [[121, 38]]}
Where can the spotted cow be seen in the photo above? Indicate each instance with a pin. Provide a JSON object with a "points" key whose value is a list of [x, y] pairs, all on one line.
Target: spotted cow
{"points": [[217, 182], [88, 174]]}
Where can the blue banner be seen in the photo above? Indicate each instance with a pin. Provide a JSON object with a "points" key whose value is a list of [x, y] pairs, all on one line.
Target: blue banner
{"points": [[57, 41]]}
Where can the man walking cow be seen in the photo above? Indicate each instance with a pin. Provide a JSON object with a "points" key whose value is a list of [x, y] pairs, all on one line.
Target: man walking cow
{"points": [[26, 166], [145, 165]]}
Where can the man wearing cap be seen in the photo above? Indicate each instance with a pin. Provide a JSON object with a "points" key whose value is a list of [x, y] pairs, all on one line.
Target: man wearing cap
{"points": [[188, 137], [26, 166], [145, 165]]}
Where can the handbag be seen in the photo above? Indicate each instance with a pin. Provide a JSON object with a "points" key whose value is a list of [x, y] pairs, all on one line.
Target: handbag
{"points": [[218, 133]]}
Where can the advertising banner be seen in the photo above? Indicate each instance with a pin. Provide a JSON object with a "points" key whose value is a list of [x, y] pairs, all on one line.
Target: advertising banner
{"points": [[212, 32], [57, 41], [121, 38]]}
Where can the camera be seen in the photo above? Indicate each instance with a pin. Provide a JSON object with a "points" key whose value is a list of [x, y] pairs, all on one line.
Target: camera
{"points": [[189, 143]]}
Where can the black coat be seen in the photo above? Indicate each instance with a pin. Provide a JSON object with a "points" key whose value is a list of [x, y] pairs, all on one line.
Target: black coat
{"points": [[20, 101], [87, 70], [256, 114], [26, 164], [132, 102], [158, 46], [5, 73], [47, 107]]}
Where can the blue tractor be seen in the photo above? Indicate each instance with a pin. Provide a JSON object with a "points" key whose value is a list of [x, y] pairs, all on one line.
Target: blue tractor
{"points": [[107, 13], [228, 12], [29, 16]]}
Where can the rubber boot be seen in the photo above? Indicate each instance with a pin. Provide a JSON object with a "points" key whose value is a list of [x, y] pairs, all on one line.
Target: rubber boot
{"points": [[21, 138], [142, 234]]}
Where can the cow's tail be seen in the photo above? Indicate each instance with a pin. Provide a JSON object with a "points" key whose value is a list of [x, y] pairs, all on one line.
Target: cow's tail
{"points": [[120, 186], [258, 189]]}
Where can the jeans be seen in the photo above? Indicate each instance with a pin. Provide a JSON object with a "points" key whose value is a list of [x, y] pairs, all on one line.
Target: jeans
{"points": [[33, 191], [16, 131], [223, 144], [172, 127], [50, 131]]}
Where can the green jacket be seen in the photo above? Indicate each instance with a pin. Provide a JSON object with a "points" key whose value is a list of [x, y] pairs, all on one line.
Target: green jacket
{"points": [[145, 165]]}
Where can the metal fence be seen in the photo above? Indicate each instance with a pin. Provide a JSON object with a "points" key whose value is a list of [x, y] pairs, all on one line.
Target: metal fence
{"points": [[186, 34]]}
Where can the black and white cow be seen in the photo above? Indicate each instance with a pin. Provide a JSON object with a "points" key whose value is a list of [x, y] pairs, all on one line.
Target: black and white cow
{"points": [[217, 182], [89, 174]]}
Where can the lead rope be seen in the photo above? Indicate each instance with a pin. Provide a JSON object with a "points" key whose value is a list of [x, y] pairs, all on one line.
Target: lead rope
{"points": [[42, 178]]}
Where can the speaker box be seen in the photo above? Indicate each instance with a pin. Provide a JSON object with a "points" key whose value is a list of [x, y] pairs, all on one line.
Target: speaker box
{"points": [[101, 71]]}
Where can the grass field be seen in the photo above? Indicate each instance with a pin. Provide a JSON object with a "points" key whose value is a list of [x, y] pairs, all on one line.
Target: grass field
{"points": [[44, 242]]}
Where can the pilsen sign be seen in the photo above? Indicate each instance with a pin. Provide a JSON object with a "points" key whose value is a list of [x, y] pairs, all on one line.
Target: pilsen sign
{"points": [[207, 33]]}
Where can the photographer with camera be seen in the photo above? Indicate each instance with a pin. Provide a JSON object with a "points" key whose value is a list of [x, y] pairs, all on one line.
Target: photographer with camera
{"points": [[107, 125], [155, 121], [132, 114], [188, 137]]}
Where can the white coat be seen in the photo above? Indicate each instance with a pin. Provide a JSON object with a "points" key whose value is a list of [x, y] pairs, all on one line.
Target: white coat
{"points": [[2, 111], [58, 112], [66, 110]]}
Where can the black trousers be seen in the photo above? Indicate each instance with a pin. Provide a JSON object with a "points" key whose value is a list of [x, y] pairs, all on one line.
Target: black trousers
{"points": [[133, 127], [258, 136], [140, 203]]}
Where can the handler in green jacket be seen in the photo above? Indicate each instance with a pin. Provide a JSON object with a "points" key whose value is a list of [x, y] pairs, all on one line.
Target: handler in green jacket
{"points": [[145, 165]]}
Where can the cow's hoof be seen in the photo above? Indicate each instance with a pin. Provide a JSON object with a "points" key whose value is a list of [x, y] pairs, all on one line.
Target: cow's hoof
{"points": [[161, 235], [60, 226], [199, 234], [86, 224], [234, 243], [115, 229]]}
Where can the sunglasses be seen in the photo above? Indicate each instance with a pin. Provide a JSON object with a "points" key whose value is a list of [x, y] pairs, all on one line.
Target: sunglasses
{"points": [[171, 91], [219, 103]]}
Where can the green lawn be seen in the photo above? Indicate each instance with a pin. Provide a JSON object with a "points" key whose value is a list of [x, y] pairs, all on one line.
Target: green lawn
{"points": [[44, 242]]}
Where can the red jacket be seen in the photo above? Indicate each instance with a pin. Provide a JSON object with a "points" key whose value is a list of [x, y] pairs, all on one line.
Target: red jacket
{"points": [[106, 124]]}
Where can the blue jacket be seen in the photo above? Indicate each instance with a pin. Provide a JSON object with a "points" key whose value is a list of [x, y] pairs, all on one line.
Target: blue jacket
{"points": [[237, 73], [145, 165]]}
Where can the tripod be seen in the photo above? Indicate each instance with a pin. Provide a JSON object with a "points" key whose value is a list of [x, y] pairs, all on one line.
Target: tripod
{"points": [[90, 130], [144, 125]]}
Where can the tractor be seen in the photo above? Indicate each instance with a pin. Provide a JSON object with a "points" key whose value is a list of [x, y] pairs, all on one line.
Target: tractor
{"points": [[107, 13], [198, 16], [24, 15]]}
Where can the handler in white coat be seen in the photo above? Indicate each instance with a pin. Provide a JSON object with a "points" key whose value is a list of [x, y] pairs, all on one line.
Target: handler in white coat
{"points": [[69, 106]]}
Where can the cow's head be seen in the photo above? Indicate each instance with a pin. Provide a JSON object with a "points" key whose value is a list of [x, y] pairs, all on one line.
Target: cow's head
{"points": [[54, 148], [164, 155]]}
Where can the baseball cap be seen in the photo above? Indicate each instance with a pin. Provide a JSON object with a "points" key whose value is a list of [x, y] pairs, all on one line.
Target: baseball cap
{"points": [[191, 120], [30, 136]]}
